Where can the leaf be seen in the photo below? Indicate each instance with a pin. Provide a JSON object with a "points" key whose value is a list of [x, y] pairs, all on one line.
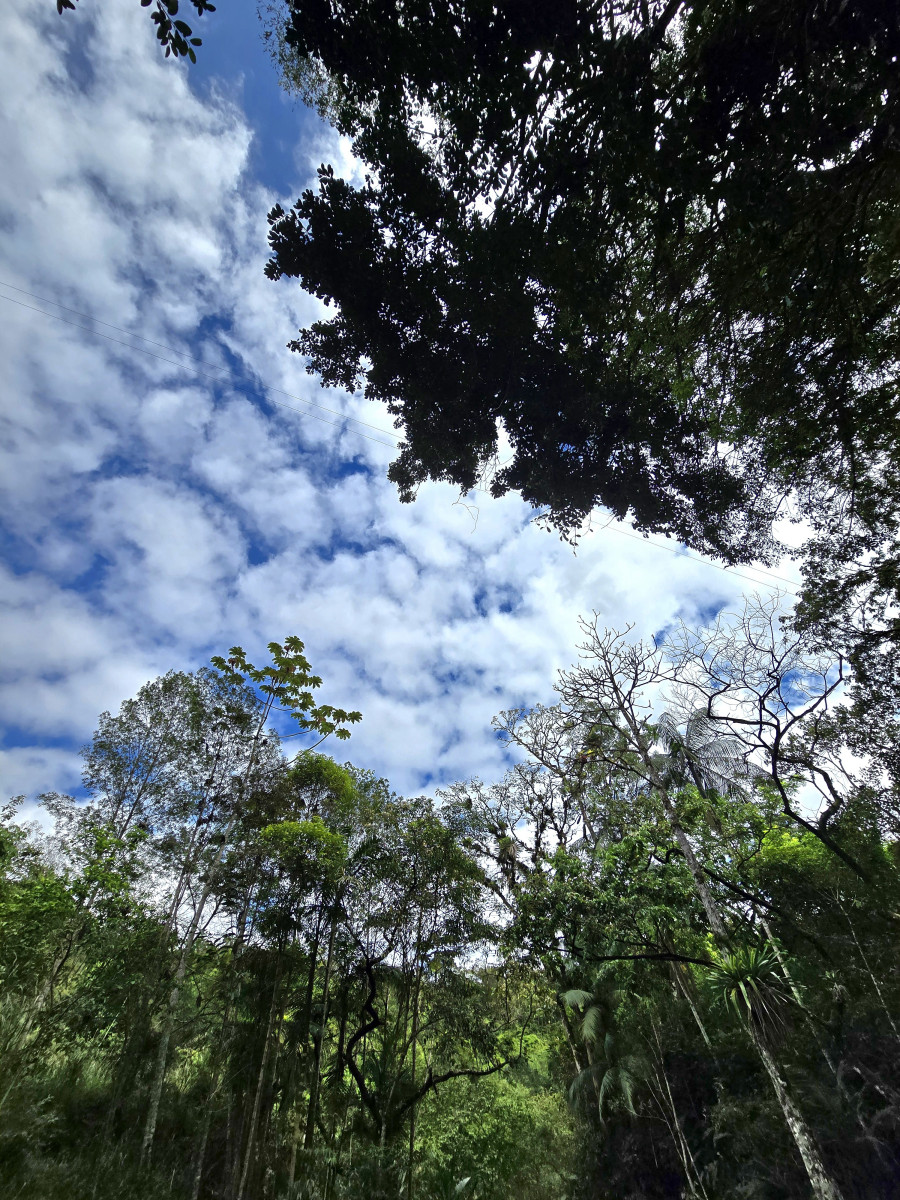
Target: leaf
{"points": [[577, 998]]}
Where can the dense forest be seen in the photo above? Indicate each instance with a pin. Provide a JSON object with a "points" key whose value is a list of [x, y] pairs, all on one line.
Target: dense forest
{"points": [[653, 246], [657, 959]]}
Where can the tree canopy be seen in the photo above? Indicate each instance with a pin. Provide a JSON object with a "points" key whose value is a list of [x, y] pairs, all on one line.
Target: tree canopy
{"points": [[653, 240], [657, 959], [172, 32]]}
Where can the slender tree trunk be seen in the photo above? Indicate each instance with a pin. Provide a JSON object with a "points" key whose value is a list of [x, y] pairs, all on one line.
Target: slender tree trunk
{"points": [[40, 1001], [162, 1054], [410, 1183], [685, 988], [304, 1038], [710, 906], [201, 1149], [570, 1035], [260, 1079], [681, 1143], [798, 1000], [824, 1187], [870, 972], [270, 1099], [670, 1117], [159, 1073], [317, 1053]]}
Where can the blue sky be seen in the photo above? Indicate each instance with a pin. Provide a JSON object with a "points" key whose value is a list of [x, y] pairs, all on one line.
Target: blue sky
{"points": [[155, 513]]}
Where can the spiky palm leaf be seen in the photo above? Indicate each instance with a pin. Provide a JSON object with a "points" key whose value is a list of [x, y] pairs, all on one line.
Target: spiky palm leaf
{"points": [[615, 1084], [750, 983], [576, 998]]}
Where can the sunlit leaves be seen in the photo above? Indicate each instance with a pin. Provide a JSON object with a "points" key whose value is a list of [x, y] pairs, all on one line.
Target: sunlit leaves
{"points": [[289, 683], [750, 982]]}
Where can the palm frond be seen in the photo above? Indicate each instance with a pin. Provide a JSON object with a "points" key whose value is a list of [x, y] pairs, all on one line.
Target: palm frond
{"points": [[592, 1024], [576, 998]]}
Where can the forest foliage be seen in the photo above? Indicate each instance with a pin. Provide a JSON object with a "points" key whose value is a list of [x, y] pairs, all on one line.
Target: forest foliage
{"points": [[653, 244], [656, 959], [647, 246]]}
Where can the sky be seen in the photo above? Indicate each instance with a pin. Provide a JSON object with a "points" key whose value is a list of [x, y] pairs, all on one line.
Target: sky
{"points": [[174, 482]]}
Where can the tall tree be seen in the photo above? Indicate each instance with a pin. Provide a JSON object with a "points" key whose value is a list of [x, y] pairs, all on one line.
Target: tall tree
{"points": [[653, 240]]}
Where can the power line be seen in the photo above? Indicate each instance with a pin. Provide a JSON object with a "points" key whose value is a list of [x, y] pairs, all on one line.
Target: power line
{"points": [[706, 562], [195, 363], [184, 354]]}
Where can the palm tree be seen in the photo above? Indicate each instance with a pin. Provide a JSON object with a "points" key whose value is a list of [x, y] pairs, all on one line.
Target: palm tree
{"points": [[614, 1074], [667, 756], [699, 753]]}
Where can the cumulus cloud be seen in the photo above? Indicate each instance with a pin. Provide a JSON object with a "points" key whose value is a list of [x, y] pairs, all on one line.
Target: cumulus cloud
{"points": [[155, 513]]}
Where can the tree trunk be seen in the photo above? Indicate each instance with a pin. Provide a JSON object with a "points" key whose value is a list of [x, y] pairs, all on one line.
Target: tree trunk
{"points": [[190, 937], [415, 1041], [570, 1035], [162, 1054], [823, 1186], [710, 906], [317, 1053], [682, 1147], [685, 988], [260, 1078], [870, 972], [304, 1038], [159, 1073], [201, 1150], [46, 991]]}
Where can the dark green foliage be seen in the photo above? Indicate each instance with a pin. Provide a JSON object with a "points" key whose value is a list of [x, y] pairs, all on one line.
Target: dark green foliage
{"points": [[174, 34], [628, 232], [654, 244], [231, 975]]}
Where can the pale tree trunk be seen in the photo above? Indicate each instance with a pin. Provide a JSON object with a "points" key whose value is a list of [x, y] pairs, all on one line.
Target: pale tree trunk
{"points": [[871, 973], [682, 1147], [685, 988], [823, 1186], [410, 1186], [570, 1035], [162, 1054], [710, 906], [307, 1019], [317, 1053], [159, 1073], [40, 1001], [595, 1083], [798, 1000], [201, 1151], [339, 1128]]}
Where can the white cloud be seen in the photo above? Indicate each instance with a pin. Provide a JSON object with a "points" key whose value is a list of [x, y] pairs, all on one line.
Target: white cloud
{"points": [[154, 517]]}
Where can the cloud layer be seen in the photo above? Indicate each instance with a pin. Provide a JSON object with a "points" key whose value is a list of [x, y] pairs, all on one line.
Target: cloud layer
{"points": [[156, 513]]}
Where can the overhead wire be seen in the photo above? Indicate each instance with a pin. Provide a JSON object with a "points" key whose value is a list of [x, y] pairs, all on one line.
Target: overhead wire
{"points": [[266, 387], [681, 553], [194, 363]]}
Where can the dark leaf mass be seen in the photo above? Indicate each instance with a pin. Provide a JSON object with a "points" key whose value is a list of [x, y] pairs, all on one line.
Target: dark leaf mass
{"points": [[656, 242]]}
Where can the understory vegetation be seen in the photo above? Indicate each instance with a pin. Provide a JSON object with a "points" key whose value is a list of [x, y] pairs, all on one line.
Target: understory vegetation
{"points": [[657, 959]]}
